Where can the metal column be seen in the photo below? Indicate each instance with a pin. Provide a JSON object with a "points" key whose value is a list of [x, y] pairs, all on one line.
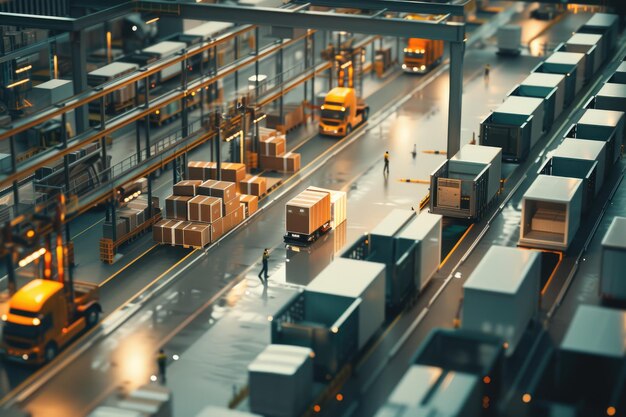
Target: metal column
{"points": [[457, 50], [236, 52], [79, 76], [279, 70], [256, 63]]}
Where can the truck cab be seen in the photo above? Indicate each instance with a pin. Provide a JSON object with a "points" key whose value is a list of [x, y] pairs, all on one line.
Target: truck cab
{"points": [[421, 55], [341, 112], [41, 321]]}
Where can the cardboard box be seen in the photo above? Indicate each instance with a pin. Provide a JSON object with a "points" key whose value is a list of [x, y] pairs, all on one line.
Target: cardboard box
{"points": [[217, 229], [197, 234], [307, 212], [199, 170], [233, 172], [265, 133], [253, 185], [204, 209], [289, 162], [271, 163], [230, 206], [178, 233], [133, 217], [107, 229], [273, 146], [176, 207], [163, 231], [233, 219], [186, 188], [250, 203], [221, 189]]}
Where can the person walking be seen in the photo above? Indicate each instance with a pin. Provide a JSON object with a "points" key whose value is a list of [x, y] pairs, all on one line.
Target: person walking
{"points": [[486, 73], [161, 363], [266, 257], [414, 152], [386, 167]]}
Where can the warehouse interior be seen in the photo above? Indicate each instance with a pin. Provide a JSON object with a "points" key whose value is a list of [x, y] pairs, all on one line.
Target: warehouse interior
{"points": [[431, 190]]}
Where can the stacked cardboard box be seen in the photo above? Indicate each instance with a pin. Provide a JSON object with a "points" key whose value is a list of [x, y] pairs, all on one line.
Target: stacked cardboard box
{"points": [[233, 213], [130, 217], [253, 185], [250, 204], [233, 172], [273, 155], [293, 116], [307, 212]]}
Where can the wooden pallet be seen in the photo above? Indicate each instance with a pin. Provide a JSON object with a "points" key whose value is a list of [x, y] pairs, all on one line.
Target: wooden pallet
{"points": [[107, 250]]}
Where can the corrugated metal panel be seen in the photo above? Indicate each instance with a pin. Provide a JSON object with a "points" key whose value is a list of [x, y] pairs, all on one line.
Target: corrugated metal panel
{"points": [[41, 7]]}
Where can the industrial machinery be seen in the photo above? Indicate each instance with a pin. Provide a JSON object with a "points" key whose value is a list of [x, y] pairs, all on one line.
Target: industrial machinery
{"points": [[47, 314], [421, 55]]}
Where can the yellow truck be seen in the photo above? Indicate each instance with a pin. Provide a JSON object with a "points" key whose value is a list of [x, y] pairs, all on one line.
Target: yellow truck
{"points": [[341, 112], [420, 55], [44, 316]]}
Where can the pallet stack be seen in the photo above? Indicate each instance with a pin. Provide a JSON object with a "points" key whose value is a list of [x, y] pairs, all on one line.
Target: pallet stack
{"points": [[201, 211], [293, 116], [274, 157]]}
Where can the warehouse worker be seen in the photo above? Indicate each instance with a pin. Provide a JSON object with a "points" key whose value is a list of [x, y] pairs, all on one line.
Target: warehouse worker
{"points": [[161, 363], [386, 167], [266, 258], [486, 73]]}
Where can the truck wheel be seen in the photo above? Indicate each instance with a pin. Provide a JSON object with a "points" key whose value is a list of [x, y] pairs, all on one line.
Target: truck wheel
{"points": [[91, 317], [50, 352], [366, 113]]}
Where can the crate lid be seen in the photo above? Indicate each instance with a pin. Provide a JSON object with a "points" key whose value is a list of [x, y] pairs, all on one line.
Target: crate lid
{"points": [[615, 237], [602, 20], [478, 153], [519, 105], [165, 48], [543, 79], [421, 226], [612, 90], [209, 29], [584, 39], [114, 69], [347, 277], [597, 331], [597, 117], [580, 149], [489, 276], [554, 189], [393, 222], [566, 58]]}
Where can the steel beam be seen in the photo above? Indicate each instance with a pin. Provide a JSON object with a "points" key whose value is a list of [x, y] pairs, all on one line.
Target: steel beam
{"points": [[79, 76], [455, 99], [403, 6], [448, 31]]}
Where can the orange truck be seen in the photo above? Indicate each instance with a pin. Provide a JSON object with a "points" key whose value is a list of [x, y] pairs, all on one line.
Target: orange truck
{"points": [[341, 112], [421, 55], [44, 317]]}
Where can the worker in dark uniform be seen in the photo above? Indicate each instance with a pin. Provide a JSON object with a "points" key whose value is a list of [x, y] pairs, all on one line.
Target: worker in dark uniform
{"points": [[161, 363], [266, 257], [386, 168], [486, 73]]}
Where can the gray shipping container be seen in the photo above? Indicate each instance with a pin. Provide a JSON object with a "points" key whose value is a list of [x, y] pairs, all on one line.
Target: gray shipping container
{"points": [[501, 296], [581, 149], [611, 96], [619, 76], [539, 84], [590, 360], [568, 63], [604, 24], [358, 280], [612, 277], [551, 212], [590, 44], [606, 125], [516, 111]]}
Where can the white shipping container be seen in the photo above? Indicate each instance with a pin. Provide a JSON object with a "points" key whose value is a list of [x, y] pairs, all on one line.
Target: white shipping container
{"points": [[501, 296], [209, 30], [509, 39], [612, 277], [164, 50], [356, 279], [426, 229], [612, 96], [547, 80], [110, 411], [281, 380], [487, 155], [567, 62], [600, 124], [212, 411], [457, 396], [619, 76], [338, 205], [414, 386], [516, 110], [590, 150], [551, 212], [589, 44]]}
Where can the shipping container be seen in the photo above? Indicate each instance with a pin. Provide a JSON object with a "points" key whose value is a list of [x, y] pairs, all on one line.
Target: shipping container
{"points": [[505, 127], [569, 92], [606, 25], [612, 277], [468, 183], [358, 280], [280, 380], [551, 212], [541, 85], [338, 205], [592, 46], [460, 350], [619, 76], [430, 391], [326, 323], [605, 125], [501, 296], [425, 230], [307, 216], [509, 39], [570, 151], [53, 91], [119, 99], [590, 360], [165, 50], [611, 97], [570, 63]]}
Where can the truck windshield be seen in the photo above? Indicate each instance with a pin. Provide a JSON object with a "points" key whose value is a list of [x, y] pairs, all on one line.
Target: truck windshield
{"points": [[414, 54], [21, 331], [333, 114]]}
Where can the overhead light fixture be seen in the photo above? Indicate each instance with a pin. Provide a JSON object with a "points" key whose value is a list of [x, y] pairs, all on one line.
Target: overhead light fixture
{"points": [[31, 257], [134, 28], [20, 82], [23, 69], [153, 20]]}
